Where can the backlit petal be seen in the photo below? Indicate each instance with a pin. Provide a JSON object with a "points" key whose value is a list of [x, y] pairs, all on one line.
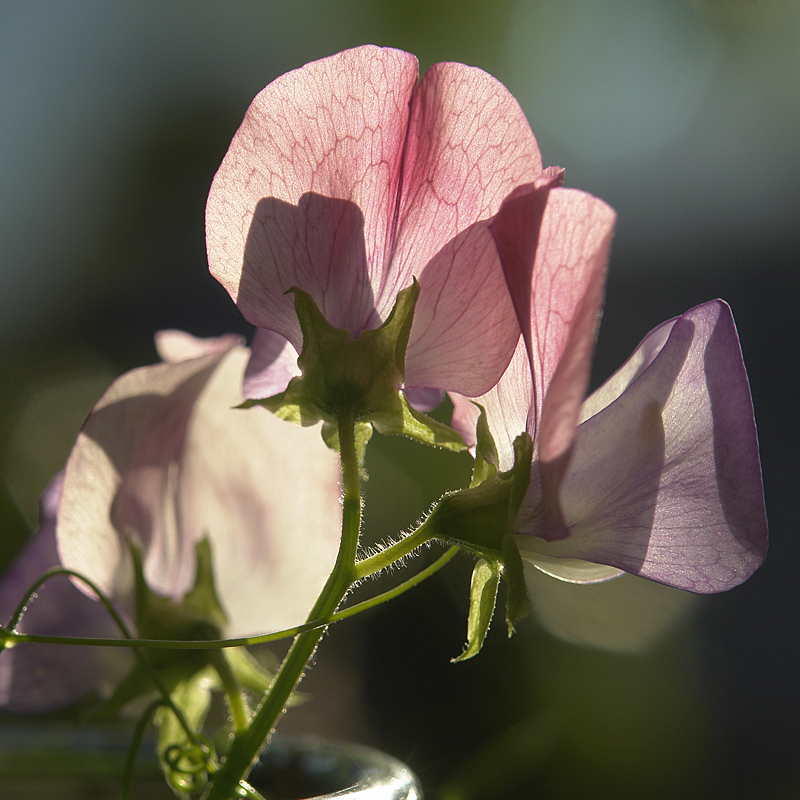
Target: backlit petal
{"points": [[665, 481], [307, 192]]}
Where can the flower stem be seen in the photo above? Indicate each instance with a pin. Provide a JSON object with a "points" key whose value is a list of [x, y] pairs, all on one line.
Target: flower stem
{"points": [[248, 744], [10, 638], [393, 553], [233, 691]]}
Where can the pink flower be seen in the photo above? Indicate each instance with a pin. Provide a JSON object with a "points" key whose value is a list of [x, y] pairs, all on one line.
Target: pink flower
{"points": [[657, 472], [347, 179], [163, 462]]}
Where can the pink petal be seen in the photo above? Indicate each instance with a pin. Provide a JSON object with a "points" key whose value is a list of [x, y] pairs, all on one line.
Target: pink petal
{"points": [[469, 146], [506, 405], [37, 677], [306, 194], [665, 480], [333, 186], [272, 364], [557, 280]]}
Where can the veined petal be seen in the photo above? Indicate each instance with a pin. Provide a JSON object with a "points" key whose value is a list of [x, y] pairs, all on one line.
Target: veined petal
{"points": [[507, 405], [554, 244], [272, 364], [469, 146], [307, 192], [664, 481], [40, 677]]}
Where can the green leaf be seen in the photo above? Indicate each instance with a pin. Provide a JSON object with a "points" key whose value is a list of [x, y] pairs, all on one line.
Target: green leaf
{"points": [[483, 596]]}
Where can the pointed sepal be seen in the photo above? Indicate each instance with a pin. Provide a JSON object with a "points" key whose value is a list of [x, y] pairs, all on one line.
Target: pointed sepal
{"points": [[403, 419], [486, 458], [198, 615], [482, 599], [360, 376], [518, 604]]}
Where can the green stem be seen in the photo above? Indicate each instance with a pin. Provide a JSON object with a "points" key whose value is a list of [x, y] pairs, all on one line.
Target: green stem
{"points": [[394, 552], [247, 745], [12, 638], [233, 691], [119, 622]]}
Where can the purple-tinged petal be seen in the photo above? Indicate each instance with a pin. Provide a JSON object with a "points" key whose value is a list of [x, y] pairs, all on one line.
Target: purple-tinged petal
{"points": [[272, 364], [40, 677], [166, 460], [423, 398], [120, 480], [307, 192], [664, 481]]}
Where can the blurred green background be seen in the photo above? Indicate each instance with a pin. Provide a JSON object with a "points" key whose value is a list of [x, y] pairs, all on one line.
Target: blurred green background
{"points": [[683, 114]]}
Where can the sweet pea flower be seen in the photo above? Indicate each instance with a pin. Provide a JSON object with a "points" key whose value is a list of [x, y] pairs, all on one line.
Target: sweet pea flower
{"points": [[656, 473], [347, 179], [163, 462]]}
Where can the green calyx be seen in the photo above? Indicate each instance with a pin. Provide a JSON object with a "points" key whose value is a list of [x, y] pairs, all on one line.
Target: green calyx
{"points": [[187, 676], [481, 520], [356, 377], [198, 614], [345, 375]]}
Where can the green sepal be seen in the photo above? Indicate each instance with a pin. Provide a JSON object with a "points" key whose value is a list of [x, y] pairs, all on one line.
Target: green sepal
{"points": [[342, 374], [482, 599], [486, 458], [475, 519], [520, 474], [363, 433], [481, 520], [290, 405], [402, 419], [517, 603], [198, 615]]}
